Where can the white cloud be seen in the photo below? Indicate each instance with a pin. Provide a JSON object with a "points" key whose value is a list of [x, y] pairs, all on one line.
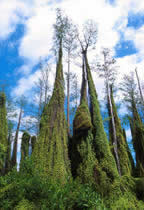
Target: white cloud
{"points": [[27, 82], [37, 40], [137, 36], [12, 12], [38, 37]]}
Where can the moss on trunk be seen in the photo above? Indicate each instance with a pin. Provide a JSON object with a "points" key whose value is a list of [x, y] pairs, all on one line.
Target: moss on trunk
{"points": [[82, 154], [129, 154], [8, 155], [137, 129], [3, 129], [106, 171], [125, 163], [25, 146], [51, 149]]}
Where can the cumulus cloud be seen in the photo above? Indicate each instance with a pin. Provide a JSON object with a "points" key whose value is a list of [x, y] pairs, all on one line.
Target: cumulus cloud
{"points": [[39, 17], [12, 13], [38, 37], [28, 82], [37, 41]]}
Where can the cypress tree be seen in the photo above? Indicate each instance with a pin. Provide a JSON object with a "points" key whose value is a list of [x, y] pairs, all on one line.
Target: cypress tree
{"points": [[138, 139], [129, 153], [82, 157], [106, 172], [3, 129], [51, 151], [125, 164], [15, 146], [25, 146], [108, 71], [129, 89]]}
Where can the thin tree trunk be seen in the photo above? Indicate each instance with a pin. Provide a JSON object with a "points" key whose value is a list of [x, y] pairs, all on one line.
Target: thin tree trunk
{"points": [[83, 88], [114, 128], [76, 94], [14, 155], [39, 111], [45, 95], [140, 89], [68, 94]]}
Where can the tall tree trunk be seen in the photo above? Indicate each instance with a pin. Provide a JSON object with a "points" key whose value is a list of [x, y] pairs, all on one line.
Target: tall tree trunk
{"points": [[139, 85], [138, 139], [51, 149], [76, 95], [115, 144], [39, 111], [83, 159], [14, 155], [126, 167], [68, 94], [3, 130], [106, 166], [129, 154], [25, 147]]}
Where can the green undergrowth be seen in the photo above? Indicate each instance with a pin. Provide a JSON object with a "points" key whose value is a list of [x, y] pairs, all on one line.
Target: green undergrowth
{"points": [[124, 195], [25, 190]]}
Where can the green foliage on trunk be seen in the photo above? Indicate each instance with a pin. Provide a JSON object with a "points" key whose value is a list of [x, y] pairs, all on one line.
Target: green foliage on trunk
{"points": [[2, 157], [137, 129], [126, 197], [82, 155], [8, 156], [25, 146], [3, 128], [51, 150], [129, 154], [125, 163], [106, 171]]}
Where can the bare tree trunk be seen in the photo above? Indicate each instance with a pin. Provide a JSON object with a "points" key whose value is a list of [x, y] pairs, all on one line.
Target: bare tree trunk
{"points": [[140, 89], [45, 96], [39, 110], [46, 86], [114, 129], [76, 94], [14, 155], [68, 94], [83, 88]]}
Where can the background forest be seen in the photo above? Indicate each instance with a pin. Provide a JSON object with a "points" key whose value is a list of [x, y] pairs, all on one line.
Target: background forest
{"points": [[67, 145]]}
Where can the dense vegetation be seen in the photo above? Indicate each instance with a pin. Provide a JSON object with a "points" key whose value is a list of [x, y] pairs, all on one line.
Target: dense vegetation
{"points": [[84, 169]]}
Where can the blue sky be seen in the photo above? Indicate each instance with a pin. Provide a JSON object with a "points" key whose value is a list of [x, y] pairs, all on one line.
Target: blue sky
{"points": [[26, 35]]}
